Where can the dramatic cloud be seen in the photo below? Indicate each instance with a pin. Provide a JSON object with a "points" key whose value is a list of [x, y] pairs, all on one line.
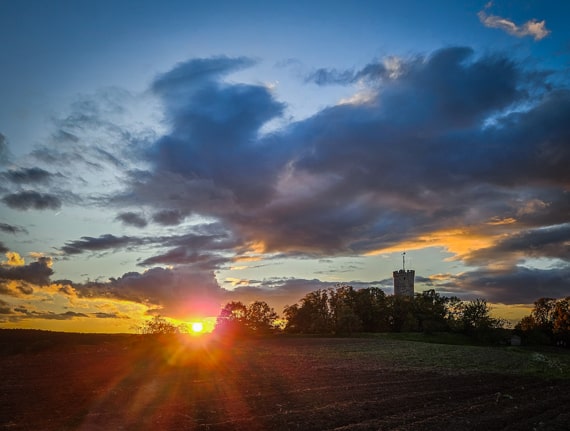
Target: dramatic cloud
{"points": [[28, 176], [178, 292], [372, 73], [38, 272], [30, 199], [23, 312], [464, 152], [550, 242], [8, 228], [186, 248], [441, 143], [212, 149], [4, 150], [5, 307], [102, 243], [526, 285], [533, 28], [183, 255], [132, 219], [168, 217]]}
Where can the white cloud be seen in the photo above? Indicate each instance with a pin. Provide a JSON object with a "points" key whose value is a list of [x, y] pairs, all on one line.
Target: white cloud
{"points": [[533, 28]]}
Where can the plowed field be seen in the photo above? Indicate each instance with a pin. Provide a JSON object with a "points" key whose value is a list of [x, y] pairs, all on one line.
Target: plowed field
{"points": [[271, 384]]}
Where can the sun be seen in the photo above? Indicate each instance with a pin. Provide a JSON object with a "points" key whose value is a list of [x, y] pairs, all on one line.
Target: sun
{"points": [[197, 327]]}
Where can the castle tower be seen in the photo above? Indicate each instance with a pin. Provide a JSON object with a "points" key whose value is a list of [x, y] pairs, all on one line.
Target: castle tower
{"points": [[404, 280]]}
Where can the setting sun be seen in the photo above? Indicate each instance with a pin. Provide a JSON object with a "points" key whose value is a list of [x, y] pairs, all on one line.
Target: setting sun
{"points": [[197, 327]]}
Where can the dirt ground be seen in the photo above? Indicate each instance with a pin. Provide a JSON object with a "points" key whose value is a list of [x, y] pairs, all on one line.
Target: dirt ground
{"points": [[285, 384]]}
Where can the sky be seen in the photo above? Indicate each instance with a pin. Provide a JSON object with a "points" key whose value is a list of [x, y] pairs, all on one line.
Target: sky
{"points": [[169, 157]]}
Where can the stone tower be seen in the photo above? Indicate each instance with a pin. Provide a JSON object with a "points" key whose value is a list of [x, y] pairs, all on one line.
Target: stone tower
{"points": [[404, 280]]}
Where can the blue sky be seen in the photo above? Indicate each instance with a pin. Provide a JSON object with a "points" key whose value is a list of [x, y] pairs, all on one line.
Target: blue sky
{"points": [[170, 157]]}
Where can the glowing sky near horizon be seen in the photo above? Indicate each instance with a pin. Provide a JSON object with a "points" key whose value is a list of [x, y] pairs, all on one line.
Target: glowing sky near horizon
{"points": [[171, 157]]}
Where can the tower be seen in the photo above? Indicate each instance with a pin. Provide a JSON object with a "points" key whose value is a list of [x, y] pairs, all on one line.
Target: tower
{"points": [[404, 280]]}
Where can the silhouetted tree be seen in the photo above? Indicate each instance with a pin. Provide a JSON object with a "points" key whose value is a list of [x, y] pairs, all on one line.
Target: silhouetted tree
{"points": [[237, 319], [371, 308], [548, 323], [430, 311], [158, 325], [543, 314], [260, 318], [400, 313], [312, 316], [232, 319], [342, 306], [561, 325], [477, 322]]}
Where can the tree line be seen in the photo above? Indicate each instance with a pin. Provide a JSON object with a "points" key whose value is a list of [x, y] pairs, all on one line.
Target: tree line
{"points": [[343, 310], [548, 323]]}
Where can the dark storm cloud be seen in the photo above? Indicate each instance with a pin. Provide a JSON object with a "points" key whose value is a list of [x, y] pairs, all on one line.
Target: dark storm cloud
{"points": [[185, 256], [513, 285], [436, 142], [214, 129], [5, 307], [38, 272], [3, 248], [188, 249], [356, 176], [419, 158], [132, 219], [30, 199], [8, 228], [109, 316], [331, 76], [373, 72], [33, 175], [531, 147], [103, 242], [168, 217], [68, 315], [22, 312], [178, 292], [549, 242], [4, 150]]}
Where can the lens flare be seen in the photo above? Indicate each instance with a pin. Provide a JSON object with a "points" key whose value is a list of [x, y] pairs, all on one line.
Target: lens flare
{"points": [[197, 327]]}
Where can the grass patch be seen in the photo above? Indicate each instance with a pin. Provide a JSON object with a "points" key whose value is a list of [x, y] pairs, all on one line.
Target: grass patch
{"points": [[443, 354], [436, 337]]}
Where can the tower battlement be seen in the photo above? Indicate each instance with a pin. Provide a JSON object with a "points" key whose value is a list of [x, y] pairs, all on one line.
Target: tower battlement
{"points": [[404, 280]]}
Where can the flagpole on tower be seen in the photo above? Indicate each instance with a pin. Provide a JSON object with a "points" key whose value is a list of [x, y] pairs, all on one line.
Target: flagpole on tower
{"points": [[404, 261]]}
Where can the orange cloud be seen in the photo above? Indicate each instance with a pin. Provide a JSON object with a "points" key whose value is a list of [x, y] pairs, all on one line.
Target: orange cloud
{"points": [[238, 268], [14, 259], [237, 281], [247, 258], [458, 241], [462, 242]]}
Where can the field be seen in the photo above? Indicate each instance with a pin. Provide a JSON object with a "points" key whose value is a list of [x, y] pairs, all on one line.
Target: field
{"points": [[83, 382]]}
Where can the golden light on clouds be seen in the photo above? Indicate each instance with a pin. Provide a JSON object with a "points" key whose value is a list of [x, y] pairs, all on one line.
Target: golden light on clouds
{"points": [[460, 242], [236, 281], [440, 277], [257, 247], [14, 259], [496, 221], [247, 258]]}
